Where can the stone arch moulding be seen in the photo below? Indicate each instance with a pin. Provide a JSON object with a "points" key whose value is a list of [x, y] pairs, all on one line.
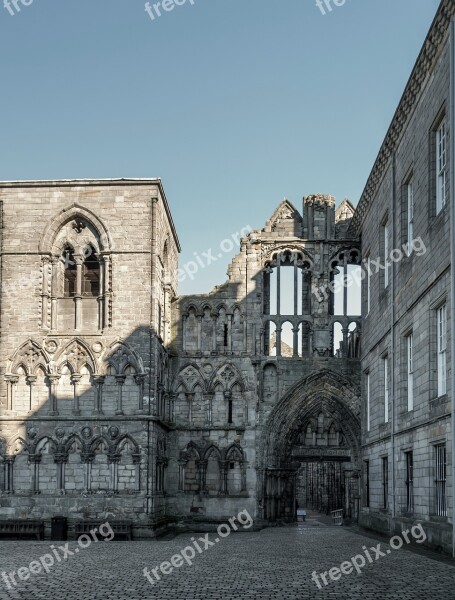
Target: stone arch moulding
{"points": [[31, 356], [120, 356], [67, 214], [189, 377], [336, 393], [76, 272], [76, 354], [227, 376], [270, 252]]}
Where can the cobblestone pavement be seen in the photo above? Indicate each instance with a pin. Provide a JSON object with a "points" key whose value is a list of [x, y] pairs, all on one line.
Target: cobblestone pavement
{"points": [[272, 564]]}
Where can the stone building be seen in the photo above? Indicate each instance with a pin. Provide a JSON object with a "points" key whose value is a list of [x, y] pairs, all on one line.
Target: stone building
{"points": [[266, 397], [88, 275], [407, 362], [119, 398]]}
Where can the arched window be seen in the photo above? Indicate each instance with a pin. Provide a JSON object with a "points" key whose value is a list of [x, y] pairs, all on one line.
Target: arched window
{"points": [[90, 274], [69, 278]]}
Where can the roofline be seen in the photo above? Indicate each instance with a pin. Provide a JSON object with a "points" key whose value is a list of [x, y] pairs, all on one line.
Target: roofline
{"points": [[425, 62], [33, 183]]}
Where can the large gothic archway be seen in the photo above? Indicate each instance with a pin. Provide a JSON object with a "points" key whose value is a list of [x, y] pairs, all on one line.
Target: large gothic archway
{"points": [[310, 449]]}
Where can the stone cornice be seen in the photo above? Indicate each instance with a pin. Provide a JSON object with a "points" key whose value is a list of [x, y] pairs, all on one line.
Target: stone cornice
{"points": [[425, 63]]}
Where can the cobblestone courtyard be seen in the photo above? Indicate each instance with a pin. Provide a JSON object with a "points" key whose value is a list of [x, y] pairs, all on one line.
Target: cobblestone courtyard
{"points": [[272, 564]]}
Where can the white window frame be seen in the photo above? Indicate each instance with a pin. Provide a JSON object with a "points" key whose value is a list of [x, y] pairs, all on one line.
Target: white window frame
{"points": [[386, 253], [442, 350], [367, 385], [410, 211], [386, 389], [410, 370], [368, 307], [441, 166]]}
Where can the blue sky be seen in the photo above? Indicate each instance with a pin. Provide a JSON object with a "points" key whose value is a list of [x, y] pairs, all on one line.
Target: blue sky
{"points": [[235, 104]]}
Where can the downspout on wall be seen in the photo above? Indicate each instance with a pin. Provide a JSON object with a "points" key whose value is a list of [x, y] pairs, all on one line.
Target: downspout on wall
{"points": [[452, 258], [392, 338]]}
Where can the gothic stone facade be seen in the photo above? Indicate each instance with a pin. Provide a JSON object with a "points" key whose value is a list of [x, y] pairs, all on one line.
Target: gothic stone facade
{"points": [[266, 409], [88, 274], [406, 357], [120, 399]]}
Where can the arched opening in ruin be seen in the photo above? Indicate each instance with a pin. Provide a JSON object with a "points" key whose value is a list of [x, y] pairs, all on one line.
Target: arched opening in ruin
{"points": [[311, 450]]}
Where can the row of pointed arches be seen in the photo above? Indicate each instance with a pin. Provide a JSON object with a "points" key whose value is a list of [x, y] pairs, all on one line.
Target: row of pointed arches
{"points": [[219, 398], [213, 471], [207, 329], [74, 379], [80, 464]]}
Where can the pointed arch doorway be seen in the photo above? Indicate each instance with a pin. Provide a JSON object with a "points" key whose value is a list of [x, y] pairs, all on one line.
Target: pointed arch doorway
{"points": [[311, 449]]}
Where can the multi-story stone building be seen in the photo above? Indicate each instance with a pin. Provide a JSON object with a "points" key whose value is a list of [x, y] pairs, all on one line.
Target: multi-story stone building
{"points": [[88, 274], [407, 361], [120, 399]]}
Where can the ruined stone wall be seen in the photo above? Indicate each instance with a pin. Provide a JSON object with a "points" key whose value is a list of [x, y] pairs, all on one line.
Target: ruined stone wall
{"points": [[222, 359]]}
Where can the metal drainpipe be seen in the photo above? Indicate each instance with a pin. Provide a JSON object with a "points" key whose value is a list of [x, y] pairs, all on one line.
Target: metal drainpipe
{"points": [[392, 335], [452, 257]]}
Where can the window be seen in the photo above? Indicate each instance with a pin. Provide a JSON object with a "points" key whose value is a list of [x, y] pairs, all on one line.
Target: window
{"points": [[410, 214], [441, 166], [442, 350], [440, 479], [385, 232], [90, 285], [367, 386], [386, 389], [385, 482], [367, 483], [368, 285], [409, 482], [410, 370], [230, 420], [69, 265]]}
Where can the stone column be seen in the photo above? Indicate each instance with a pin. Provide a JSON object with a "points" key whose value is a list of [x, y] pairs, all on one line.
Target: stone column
{"points": [[140, 380], [114, 459], [223, 475], [229, 334], [295, 341], [45, 291], [202, 466], [182, 464], [184, 318], [120, 381], [35, 460], [214, 321], [190, 398], [278, 340], [60, 460], [54, 291], [53, 379], [75, 380], [209, 398], [107, 290], [31, 380], [199, 333], [87, 459], [9, 474], [79, 260], [11, 381], [98, 380]]}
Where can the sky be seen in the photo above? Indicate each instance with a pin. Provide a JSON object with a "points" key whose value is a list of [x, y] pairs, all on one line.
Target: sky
{"points": [[235, 104]]}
